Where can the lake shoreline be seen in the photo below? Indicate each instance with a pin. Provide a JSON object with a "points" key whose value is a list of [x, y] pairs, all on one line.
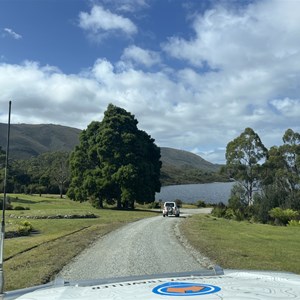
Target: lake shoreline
{"points": [[211, 193]]}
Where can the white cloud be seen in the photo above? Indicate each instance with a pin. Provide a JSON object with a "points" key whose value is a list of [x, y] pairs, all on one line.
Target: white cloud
{"points": [[189, 111], [45, 95], [12, 34], [100, 21], [256, 53], [249, 57], [141, 56], [128, 5], [250, 38], [213, 155], [287, 107]]}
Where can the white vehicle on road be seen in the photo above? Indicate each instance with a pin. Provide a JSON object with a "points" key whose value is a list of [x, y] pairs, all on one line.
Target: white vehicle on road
{"points": [[171, 209]]}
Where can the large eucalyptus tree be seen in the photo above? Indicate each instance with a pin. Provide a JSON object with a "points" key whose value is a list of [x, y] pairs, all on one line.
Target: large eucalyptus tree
{"points": [[244, 157]]}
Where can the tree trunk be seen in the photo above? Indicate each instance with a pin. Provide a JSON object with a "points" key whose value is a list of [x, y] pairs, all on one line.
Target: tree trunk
{"points": [[100, 203], [119, 204], [61, 187]]}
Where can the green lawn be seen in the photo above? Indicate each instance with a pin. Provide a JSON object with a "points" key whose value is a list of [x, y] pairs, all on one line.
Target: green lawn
{"points": [[242, 245], [37, 258]]}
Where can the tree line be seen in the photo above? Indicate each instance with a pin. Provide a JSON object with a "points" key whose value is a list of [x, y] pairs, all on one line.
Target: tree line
{"points": [[117, 163], [47, 173], [267, 180]]}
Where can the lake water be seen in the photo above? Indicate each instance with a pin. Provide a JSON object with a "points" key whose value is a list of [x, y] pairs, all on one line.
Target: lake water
{"points": [[190, 193]]}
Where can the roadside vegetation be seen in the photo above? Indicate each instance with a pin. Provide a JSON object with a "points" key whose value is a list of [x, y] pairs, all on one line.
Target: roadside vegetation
{"points": [[242, 234], [267, 188], [56, 231], [244, 245]]}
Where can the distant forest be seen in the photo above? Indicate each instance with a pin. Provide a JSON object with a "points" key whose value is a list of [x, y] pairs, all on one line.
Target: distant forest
{"points": [[39, 160]]}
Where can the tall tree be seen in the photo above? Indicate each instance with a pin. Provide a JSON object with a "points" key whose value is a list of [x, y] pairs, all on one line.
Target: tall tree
{"points": [[244, 156], [284, 169], [291, 154], [59, 170], [115, 161], [281, 177], [273, 189]]}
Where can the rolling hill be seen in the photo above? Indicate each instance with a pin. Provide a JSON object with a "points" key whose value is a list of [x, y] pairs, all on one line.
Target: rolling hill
{"points": [[178, 166], [28, 140], [183, 167]]}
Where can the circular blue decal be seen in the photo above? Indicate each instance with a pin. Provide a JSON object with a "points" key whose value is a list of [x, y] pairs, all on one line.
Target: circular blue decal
{"points": [[185, 289]]}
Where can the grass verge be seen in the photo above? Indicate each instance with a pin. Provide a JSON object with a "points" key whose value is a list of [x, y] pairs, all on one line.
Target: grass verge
{"points": [[242, 245], [37, 258]]}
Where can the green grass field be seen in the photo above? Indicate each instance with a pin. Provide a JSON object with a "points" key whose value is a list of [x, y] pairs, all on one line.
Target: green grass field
{"points": [[242, 245], [36, 259]]}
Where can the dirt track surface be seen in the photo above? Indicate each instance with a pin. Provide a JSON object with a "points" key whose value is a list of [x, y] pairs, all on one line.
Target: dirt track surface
{"points": [[149, 246]]}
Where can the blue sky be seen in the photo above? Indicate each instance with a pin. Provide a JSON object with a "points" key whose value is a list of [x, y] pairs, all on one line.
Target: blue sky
{"points": [[194, 73]]}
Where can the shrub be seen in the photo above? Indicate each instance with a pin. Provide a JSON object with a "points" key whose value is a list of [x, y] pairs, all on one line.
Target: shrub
{"points": [[219, 210], [237, 198], [239, 215], [154, 204], [178, 202], [200, 203], [283, 216], [21, 208], [229, 214], [24, 228], [294, 223]]}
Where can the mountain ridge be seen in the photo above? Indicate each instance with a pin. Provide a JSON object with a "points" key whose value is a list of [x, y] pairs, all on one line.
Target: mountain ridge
{"points": [[28, 140]]}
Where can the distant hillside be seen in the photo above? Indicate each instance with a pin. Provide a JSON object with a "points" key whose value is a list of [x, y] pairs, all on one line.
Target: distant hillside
{"points": [[185, 159], [31, 140], [183, 167], [178, 166]]}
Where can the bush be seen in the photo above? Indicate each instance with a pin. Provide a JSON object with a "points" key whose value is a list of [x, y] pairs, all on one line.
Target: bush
{"points": [[237, 198], [21, 208], [229, 214], [154, 204], [200, 203], [283, 216], [219, 210], [178, 202], [294, 223], [239, 215], [24, 228]]}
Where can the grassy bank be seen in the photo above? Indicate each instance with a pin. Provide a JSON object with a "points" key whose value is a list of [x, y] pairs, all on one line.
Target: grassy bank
{"points": [[37, 258], [242, 245]]}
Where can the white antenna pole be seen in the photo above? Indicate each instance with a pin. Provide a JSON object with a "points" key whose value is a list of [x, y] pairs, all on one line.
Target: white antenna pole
{"points": [[2, 236]]}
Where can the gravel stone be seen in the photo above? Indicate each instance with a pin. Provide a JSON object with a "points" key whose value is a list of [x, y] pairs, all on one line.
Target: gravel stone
{"points": [[149, 246]]}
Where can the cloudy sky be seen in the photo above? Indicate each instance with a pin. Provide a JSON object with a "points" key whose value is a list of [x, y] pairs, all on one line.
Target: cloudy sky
{"points": [[195, 73]]}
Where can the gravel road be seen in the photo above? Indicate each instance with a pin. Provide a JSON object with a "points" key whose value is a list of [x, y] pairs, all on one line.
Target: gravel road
{"points": [[149, 246]]}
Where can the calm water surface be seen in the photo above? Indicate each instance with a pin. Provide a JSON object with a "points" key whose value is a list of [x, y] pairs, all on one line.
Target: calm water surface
{"points": [[190, 193]]}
